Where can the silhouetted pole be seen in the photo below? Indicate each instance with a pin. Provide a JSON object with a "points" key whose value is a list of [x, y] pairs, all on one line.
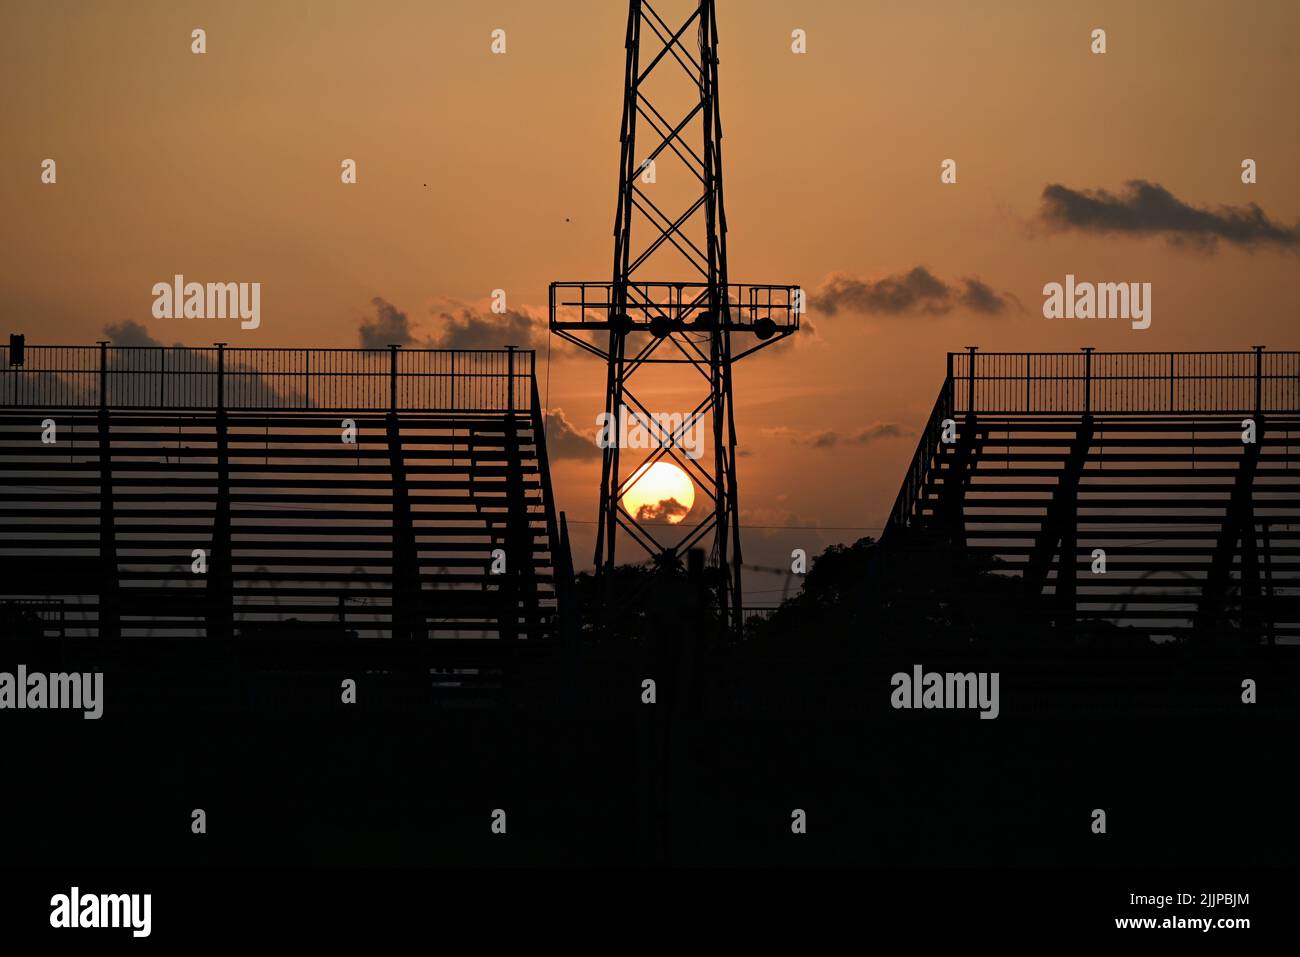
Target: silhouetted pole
{"points": [[392, 378], [220, 583], [1087, 379], [109, 615], [970, 385], [1259, 379]]}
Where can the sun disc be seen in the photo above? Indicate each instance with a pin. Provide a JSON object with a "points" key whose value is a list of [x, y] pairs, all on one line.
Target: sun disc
{"points": [[659, 492]]}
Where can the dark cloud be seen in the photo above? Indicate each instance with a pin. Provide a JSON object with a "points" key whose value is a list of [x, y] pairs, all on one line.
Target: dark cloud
{"points": [[563, 441], [829, 438], [464, 329], [665, 511], [470, 329], [389, 327], [191, 372], [981, 298], [129, 333], [1148, 209], [916, 292], [884, 430]]}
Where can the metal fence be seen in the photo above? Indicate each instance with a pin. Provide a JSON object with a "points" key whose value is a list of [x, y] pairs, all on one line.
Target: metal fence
{"points": [[574, 305], [28, 616], [178, 377], [757, 613], [1119, 382]]}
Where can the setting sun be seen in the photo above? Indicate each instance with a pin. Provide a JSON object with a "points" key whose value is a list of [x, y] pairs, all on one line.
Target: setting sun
{"points": [[659, 492]]}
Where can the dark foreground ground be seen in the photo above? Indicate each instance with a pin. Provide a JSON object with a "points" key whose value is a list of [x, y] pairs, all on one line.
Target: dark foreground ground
{"points": [[587, 774]]}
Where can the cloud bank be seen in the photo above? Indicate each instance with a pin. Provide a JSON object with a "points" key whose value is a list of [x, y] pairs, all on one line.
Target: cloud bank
{"points": [[1148, 209], [916, 292]]}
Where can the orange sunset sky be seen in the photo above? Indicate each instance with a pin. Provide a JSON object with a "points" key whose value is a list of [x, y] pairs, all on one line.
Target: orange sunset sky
{"points": [[479, 171]]}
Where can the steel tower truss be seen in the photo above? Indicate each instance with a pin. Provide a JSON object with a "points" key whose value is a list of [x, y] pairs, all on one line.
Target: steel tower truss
{"points": [[638, 320]]}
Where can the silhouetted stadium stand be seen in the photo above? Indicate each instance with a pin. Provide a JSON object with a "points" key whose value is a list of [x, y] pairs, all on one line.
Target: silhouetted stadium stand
{"points": [[240, 453], [1139, 455]]}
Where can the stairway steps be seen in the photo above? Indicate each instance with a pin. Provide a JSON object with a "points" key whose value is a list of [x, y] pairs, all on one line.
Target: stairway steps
{"points": [[1154, 491], [311, 518]]}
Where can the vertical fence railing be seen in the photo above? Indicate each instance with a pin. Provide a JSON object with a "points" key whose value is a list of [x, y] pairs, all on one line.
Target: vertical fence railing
{"points": [[917, 470], [157, 377], [103, 375], [1073, 383], [1124, 382]]}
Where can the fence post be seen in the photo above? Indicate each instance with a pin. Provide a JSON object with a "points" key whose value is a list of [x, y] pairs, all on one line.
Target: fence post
{"points": [[1259, 379], [392, 377], [1087, 379], [970, 389], [221, 374], [510, 379], [103, 373], [17, 346], [1173, 361], [950, 385]]}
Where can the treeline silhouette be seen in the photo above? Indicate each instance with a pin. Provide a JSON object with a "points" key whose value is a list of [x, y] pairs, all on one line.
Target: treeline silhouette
{"points": [[920, 591]]}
